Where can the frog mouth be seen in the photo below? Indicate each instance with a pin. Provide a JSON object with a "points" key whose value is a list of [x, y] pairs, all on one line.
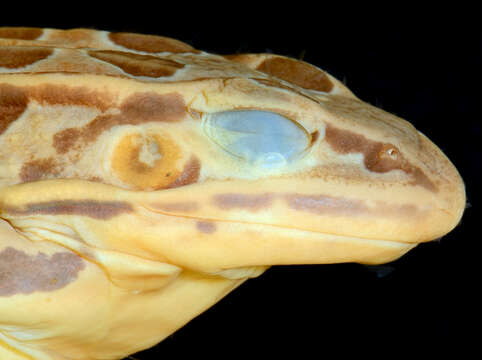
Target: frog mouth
{"points": [[208, 227]]}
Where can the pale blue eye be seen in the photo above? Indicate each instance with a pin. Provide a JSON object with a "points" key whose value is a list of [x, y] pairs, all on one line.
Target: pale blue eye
{"points": [[260, 137]]}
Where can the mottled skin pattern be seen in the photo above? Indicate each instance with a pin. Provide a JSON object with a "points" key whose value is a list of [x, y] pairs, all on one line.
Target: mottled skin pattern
{"points": [[121, 219]]}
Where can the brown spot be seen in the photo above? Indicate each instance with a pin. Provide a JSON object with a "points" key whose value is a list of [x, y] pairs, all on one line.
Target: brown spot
{"points": [[14, 57], [206, 227], [189, 175], [20, 33], [138, 65], [69, 95], [378, 157], [13, 103], [21, 273], [419, 178], [149, 43], [146, 107], [136, 109], [296, 72], [103, 210], [38, 169], [243, 201], [65, 139]]}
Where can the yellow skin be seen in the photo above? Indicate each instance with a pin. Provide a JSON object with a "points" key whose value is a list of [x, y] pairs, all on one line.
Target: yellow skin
{"points": [[124, 214]]}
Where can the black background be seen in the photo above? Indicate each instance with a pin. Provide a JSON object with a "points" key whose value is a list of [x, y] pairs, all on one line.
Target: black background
{"points": [[422, 64]]}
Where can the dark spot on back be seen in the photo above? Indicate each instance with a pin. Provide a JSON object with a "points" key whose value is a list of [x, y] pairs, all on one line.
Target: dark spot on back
{"points": [[104, 210], [378, 157], [296, 72], [136, 109], [20, 33], [138, 65], [14, 57], [66, 139], [13, 102], [70, 95], [21, 273], [149, 43], [38, 169], [146, 107]]}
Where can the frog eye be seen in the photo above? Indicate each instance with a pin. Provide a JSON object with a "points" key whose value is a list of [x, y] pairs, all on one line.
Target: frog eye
{"points": [[263, 138]]}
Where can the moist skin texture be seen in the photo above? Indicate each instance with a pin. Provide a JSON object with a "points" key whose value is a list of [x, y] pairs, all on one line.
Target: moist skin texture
{"points": [[122, 217]]}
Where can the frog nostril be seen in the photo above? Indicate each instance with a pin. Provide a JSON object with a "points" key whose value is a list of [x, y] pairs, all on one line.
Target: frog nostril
{"points": [[389, 152], [392, 152]]}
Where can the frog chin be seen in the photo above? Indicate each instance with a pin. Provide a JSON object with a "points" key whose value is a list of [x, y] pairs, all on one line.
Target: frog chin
{"points": [[237, 250]]}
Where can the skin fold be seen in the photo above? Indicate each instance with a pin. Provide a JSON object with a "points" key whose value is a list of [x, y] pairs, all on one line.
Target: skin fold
{"points": [[128, 207]]}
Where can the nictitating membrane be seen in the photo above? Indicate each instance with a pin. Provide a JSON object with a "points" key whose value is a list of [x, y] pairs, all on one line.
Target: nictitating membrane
{"points": [[262, 138]]}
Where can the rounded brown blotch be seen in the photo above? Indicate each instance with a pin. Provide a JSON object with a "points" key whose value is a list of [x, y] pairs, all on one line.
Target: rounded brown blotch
{"points": [[64, 140], [21, 273], [296, 72], [206, 227], [149, 43], [145, 107], [13, 102], [70, 95], [14, 57], [20, 33], [138, 65], [38, 169]]}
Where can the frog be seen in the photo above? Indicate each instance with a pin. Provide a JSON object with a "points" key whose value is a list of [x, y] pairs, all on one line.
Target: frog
{"points": [[142, 180]]}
